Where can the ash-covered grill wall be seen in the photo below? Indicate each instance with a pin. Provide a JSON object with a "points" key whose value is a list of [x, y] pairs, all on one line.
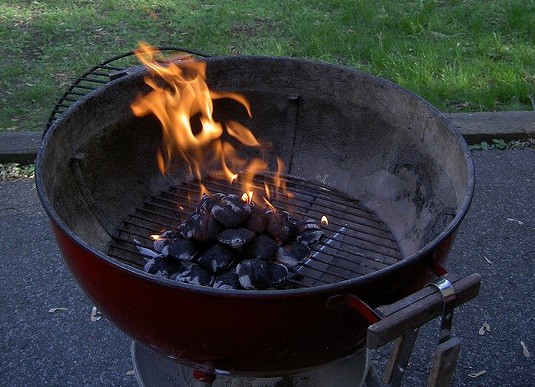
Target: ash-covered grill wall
{"points": [[359, 134]]}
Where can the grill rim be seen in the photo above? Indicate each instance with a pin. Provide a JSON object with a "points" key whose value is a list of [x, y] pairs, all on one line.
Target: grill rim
{"points": [[336, 288]]}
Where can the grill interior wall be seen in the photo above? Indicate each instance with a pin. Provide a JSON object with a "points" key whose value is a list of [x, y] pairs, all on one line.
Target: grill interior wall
{"points": [[353, 132]]}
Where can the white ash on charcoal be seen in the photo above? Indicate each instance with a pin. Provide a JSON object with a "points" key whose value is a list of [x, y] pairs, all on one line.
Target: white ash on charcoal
{"points": [[205, 204], [195, 274], [258, 274], [236, 237], [230, 244], [217, 258], [227, 281], [200, 227], [164, 239], [230, 210], [292, 254], [182, 249], [162, 266], [308, 231]]}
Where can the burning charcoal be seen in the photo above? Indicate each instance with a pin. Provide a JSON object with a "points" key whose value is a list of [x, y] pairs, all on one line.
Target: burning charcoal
{"points": [[257, 220], [262, 247], [181, 249], [162, 266], [195, 275], [216, 258], [279, 226], [292, 253], [257, 274], [164, 239], [230, 210], [145, 252], [236, 237], [308, 231], [153, 265], [200, 227], [205, 204], [227, 281]]}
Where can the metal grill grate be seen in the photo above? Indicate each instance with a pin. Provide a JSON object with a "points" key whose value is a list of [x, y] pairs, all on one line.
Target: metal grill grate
{"points": [[356, 241], [99, 75]]}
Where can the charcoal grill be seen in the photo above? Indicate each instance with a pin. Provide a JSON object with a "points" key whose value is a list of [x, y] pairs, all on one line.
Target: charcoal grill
{"points": [[392, 173]]}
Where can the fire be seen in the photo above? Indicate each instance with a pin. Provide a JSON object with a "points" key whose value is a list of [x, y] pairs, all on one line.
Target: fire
{"points": [[247, 197], [181, 100], [324, 221]]}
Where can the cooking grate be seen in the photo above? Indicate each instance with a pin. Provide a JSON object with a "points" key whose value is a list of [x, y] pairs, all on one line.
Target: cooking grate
{"points": [[356, 241], [101, 74]]}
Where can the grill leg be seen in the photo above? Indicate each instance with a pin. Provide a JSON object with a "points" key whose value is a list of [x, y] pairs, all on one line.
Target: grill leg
{"points": [[444, 363], [399, 359]]}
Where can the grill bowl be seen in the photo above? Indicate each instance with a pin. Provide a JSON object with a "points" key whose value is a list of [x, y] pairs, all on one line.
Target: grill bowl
{"points": [[368, 138]]}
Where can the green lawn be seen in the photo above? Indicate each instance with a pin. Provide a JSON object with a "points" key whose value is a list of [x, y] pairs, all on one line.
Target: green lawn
{"points": [[464, 55]]}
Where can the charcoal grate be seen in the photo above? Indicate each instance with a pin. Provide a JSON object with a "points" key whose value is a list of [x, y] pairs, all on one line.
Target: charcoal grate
{"points": [[356, 241]]}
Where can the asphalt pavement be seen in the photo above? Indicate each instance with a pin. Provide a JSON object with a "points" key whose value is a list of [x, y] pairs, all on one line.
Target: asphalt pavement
{"points": [[47, 336]]}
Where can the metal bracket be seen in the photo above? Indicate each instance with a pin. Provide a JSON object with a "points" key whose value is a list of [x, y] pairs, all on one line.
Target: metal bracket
{"points": [[448, 297], [448, 348]]}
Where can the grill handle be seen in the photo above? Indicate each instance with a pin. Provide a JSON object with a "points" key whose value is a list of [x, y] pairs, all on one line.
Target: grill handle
{"points": [[388, 322], [353, 302]]}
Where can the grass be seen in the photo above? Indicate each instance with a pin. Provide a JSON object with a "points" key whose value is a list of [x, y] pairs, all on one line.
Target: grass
{"points": [[461, 55]]}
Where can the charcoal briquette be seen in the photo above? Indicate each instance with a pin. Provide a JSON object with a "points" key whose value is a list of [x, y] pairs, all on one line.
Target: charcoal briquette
{"points": [[279, 226], [162, 266], [181, 249], [195, 275], [200, 227], [308, 231], [146, 252], [153, 265], [164, 239], [227, 281], [236, 237], [292, 253], [205, 204], [262, 247], [230, 210], [216, 258], [257, 219], [258, 274]]}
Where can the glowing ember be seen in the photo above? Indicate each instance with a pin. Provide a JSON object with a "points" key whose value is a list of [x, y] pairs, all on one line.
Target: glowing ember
{"points": [[181, 100], [324, 221]]}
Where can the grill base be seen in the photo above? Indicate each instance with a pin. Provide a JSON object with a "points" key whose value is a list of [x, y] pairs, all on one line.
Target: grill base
{"points": [[356, 241], [153, 369]]}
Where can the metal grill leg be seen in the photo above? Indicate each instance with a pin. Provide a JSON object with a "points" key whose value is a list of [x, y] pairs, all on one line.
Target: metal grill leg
{"points": [[399, 358]]}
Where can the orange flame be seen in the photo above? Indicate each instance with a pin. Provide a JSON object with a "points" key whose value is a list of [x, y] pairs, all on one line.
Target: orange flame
{"points": [[180, 95], [324, 220]]}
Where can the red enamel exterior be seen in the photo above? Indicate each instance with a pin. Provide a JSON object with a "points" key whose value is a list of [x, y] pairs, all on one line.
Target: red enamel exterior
{"points": [[240, 333]]}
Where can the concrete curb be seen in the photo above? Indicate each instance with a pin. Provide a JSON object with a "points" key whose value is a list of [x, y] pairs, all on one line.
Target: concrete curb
{"points": [[21, 147]]}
